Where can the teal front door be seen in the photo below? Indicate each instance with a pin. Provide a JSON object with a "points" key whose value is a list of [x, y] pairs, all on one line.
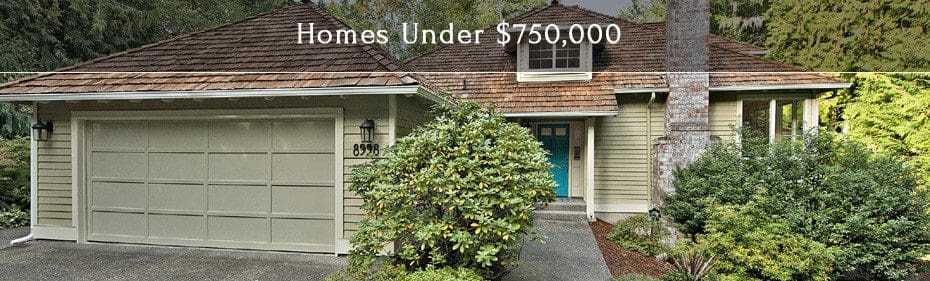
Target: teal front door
{"points": [[555, 139]]}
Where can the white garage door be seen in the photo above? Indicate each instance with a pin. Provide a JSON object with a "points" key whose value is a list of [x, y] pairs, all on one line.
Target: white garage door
{"points": [[252, 184]]}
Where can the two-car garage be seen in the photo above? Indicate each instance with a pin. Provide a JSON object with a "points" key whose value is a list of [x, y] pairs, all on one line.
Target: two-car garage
{"points": [[212, 179]]}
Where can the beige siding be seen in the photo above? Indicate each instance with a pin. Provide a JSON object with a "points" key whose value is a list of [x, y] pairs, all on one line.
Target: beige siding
{"points": [[54, 204], [723, 116], [621, 161], [54, 177]]}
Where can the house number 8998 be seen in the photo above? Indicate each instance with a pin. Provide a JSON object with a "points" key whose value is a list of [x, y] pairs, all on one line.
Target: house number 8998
{"points": [[361, 149]]}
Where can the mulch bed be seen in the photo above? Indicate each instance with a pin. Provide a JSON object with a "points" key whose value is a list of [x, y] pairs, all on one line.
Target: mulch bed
{"points": [[621, 261]]}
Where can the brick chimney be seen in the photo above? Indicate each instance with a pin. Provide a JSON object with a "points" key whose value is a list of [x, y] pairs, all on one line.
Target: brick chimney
{"points": [[687, 124]]}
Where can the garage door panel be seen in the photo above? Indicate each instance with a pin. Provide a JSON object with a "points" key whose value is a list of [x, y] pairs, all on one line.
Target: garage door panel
{"points": [[240, 135], [119, 165], [240, 167], [303, 167], [258, 184], [239, 198], [175, 135], [177, 226], [179, 197], [131, 134], [118, 195], [302, 231], [177, 166], [310, 200], [123, 224], [304, 135], [239, 229]]}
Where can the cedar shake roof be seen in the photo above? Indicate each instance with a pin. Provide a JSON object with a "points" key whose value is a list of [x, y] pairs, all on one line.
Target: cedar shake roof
{"points": [[260, 52], [638, 61]]}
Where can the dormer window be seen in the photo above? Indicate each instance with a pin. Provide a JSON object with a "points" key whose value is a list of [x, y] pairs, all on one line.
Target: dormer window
{"points": [[545, 62], [554, 57]]}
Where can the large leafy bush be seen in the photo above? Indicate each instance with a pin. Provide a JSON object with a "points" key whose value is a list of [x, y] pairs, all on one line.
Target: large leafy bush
{"points": [[756, 246], [638, 233], [835, 192], [14, 174], [13, 219], [457, 192]]}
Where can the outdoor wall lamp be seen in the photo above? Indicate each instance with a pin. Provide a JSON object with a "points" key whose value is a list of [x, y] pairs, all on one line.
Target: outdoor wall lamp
{"points": [[40, 130], [367, 129]]}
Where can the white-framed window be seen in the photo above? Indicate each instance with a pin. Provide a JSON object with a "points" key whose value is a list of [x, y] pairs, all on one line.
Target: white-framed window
{"points": [[780, 117], [546, 62], [554, 57]]}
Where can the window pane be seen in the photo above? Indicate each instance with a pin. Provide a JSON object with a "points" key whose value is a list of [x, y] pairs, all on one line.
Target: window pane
{"points": [[574, 63], [561, 63], [756, 116], [534, 64], [546, 64]]}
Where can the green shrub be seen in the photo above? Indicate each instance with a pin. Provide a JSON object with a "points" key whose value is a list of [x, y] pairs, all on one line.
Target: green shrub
{"points": [[755, 246], [400, 273], [835, 192], [457, 192], [14, 174], [13, 219], [690, 262], [638, 233]]}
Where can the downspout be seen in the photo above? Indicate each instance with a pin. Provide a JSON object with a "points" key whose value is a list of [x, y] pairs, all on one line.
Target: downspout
{"points": [[33, 177], [649, 159]]}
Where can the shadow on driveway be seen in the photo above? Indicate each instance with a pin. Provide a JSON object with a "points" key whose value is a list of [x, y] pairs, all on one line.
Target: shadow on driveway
{"points": [[45, 260]]}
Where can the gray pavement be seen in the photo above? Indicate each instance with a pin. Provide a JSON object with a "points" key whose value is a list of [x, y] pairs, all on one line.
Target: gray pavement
{"points": [[53, 260], [9, 234], [570, 253]]}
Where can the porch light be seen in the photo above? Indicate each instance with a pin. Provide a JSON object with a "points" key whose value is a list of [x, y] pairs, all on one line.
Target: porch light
{"points": [[40, 130], [367, 129]]}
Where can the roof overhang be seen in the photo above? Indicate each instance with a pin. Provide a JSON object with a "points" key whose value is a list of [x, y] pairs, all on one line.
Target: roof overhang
{"points": [[770, 87], [210, 94], [559, 114]]}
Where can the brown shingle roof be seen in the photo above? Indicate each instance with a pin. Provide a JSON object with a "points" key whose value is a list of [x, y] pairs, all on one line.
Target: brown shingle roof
{"points": [[256, 53], [638, 61]]}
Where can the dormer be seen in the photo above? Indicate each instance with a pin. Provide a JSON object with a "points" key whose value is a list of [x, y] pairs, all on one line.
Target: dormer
{"points": [[559, 62]]}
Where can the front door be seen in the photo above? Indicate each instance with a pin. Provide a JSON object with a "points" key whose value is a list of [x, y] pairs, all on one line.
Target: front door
{"points": [[555, 139]]}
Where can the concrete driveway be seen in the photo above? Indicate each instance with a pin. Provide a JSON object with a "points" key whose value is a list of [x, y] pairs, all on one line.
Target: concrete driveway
{"points": [[52, 260]]}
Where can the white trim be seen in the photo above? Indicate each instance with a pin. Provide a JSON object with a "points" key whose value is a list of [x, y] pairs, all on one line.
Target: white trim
{"points": [[77, 137], [773, 119], [822, 86], [55, 232], [621, 208], [33, 169], [79, 118], [560, 114], [147, 95], [589, 170]]}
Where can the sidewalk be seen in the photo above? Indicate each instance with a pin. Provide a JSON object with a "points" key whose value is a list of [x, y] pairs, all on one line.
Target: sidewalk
{"points": [[570, 253]]}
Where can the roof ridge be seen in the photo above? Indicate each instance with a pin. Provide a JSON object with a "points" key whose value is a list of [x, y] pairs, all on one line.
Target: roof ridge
{"points": [[139, 48], [388, 61]]}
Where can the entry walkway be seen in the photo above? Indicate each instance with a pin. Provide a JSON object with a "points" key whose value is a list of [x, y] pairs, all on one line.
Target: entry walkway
{"points": [[570, 253]]}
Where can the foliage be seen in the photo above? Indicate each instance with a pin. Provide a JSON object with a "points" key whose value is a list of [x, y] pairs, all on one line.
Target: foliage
{"points": [[14, 218], [45, 35], [889, 113], [457, 192], [638, 233], [838, 35], [430, 14], [12, 124], [737, 19], [756, 246], [14, 174], [835, 192], [400, 273], [690, 262]]}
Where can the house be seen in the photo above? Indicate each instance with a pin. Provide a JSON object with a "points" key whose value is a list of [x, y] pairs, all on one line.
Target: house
{"points": [[236, 137]]}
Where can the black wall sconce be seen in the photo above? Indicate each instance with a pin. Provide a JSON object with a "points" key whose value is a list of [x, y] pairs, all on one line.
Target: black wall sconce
{"points": [[40, 130], [367, 129]]}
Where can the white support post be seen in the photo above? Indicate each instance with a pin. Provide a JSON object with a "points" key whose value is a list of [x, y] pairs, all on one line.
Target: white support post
{"points": [[773, 117], [589, 169], [811, 115]]}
